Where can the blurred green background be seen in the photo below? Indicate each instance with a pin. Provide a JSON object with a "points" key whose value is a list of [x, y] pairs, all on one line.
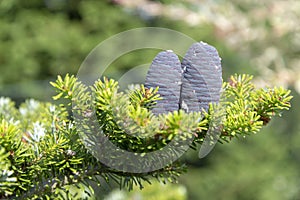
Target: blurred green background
{"points": [[40, 39]]}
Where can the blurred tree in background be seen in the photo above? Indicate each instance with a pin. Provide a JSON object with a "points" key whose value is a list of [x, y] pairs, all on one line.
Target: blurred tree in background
{"points": [[40, 39]]}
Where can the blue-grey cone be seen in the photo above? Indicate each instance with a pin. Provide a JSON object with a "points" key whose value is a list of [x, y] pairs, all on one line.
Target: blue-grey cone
{"points": [[202, 77], [165, 72]]}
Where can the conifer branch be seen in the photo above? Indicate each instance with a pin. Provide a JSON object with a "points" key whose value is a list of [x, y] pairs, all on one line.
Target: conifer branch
{"points": [[42, 145]]}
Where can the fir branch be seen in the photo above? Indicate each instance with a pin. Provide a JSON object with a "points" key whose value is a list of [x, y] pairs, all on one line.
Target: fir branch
{"points": [[44, 149]]}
